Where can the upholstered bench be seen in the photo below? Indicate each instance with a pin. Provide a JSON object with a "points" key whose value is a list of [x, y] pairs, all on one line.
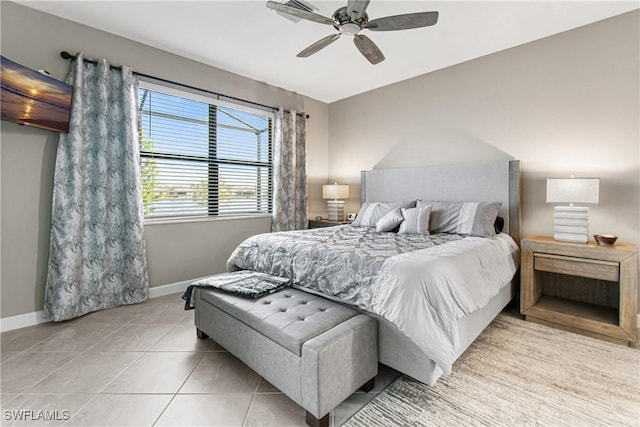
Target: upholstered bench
{"points": [[315, 351]]}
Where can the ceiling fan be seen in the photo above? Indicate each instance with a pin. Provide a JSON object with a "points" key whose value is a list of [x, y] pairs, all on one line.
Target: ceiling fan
{"points": [[353, 18]]}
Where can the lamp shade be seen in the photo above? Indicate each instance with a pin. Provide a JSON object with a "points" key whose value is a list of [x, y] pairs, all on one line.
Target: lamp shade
{"points": [[335, 191], [573, 190]]}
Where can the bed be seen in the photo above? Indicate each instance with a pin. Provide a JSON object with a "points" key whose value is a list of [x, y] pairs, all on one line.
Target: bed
{"points": [[431, 295]]}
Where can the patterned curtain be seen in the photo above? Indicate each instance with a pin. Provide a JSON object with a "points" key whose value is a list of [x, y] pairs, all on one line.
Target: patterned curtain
{"points": [[97, 253], [290, 174]]}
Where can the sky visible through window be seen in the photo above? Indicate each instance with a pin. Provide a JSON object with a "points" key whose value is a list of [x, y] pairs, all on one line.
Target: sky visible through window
{"points": [[172, 125], [194, 134]]}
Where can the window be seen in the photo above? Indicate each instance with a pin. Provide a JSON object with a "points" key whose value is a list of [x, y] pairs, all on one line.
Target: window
{"points": [[201, 157]]}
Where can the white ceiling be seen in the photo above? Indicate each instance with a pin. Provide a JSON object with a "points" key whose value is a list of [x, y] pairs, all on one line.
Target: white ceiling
{"points": [[248, 39]]}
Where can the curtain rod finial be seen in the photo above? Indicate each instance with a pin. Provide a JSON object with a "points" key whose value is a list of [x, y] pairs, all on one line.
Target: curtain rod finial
{"points": [[66, 55]]}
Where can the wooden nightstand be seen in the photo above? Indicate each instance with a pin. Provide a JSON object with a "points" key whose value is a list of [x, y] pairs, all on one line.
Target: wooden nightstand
{"points": [[313, 223], [584, 288]]}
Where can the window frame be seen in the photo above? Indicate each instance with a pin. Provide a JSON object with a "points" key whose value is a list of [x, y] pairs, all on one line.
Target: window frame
{"points": [[211, 160]]}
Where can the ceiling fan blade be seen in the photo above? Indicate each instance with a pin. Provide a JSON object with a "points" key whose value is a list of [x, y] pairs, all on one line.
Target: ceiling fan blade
{"points": [[368, 48], [309, 16], [320, 44], [356, 8], [403, 22]]}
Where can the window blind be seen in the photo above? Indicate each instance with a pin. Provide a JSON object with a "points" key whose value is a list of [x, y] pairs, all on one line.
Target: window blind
{"points": [[200, 157]]}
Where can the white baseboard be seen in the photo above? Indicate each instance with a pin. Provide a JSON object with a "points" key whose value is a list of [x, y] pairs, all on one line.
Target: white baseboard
{"points": [[22, 321], [37, 317], [171, 288]]}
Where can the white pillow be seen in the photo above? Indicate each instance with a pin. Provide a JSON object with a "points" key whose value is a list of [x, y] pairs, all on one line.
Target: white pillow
{"points": [[371, 212], [391, 220], [416, 221]]}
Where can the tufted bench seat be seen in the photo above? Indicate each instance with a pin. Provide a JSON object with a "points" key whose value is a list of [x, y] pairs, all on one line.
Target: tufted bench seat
{"points": [[315, 351]]}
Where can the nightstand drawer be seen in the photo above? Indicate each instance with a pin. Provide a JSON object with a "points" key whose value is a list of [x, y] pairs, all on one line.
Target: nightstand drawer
{"points": [[582, 267]]}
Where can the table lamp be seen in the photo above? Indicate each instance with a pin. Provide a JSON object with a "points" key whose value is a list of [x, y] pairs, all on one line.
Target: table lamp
{"points": [[571, 223], [335, 207]]}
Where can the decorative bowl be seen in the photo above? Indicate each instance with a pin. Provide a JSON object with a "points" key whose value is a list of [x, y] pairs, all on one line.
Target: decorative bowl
{"points": [[605, 239]]}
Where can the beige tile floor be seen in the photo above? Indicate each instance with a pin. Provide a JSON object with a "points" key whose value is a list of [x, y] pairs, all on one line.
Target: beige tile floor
{"points": [[141, 365]]}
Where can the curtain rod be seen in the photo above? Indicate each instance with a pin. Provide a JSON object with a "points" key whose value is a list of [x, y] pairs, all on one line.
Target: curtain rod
{"points": [[66, 55]]}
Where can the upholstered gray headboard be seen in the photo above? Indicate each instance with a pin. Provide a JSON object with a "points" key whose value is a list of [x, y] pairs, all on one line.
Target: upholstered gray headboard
{"points": [[482, 182]]}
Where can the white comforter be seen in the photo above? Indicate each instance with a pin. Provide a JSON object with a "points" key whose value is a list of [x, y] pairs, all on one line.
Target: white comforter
{"points": [[424, 292]]}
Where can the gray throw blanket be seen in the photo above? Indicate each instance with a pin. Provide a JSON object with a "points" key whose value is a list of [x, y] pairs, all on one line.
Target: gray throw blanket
{"points": [[248, 284]]}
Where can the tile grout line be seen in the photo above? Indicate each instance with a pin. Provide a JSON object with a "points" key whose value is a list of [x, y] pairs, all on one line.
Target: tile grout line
{"points": [[9, 358], [123, 370], [202, 355], [33, 345], [88, 349], [80, 409], [179, 388], [159, 339], [52, 372], [164, 409], [107, 336], [253, 396]]}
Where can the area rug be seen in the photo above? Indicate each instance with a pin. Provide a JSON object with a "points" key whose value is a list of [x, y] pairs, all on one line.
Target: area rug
{"points": [[519, 373]]}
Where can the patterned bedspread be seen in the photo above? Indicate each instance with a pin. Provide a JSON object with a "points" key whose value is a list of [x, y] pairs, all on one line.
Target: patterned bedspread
{"points": [[341, 262], [422, 284]]}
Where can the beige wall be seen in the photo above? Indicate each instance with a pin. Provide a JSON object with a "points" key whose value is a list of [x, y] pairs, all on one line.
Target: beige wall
{"points": [[176, 252], [565, 104]]}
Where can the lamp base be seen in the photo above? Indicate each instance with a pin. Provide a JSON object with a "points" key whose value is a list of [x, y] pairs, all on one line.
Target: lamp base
{"points": [[571, 224], [335, 210]]}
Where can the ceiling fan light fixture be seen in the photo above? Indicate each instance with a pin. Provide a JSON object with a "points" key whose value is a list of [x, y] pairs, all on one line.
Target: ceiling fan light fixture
{"points": [[350, 28]]}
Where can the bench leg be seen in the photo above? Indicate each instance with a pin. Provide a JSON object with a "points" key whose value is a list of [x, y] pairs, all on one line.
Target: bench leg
{"points": [[368, 386], [201, 334], [314, 422]]}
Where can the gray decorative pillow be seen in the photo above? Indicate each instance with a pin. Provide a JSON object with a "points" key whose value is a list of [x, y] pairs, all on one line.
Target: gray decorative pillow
{"points": [[416, 220], [371, 212], [390, 221], [470, 218]]}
